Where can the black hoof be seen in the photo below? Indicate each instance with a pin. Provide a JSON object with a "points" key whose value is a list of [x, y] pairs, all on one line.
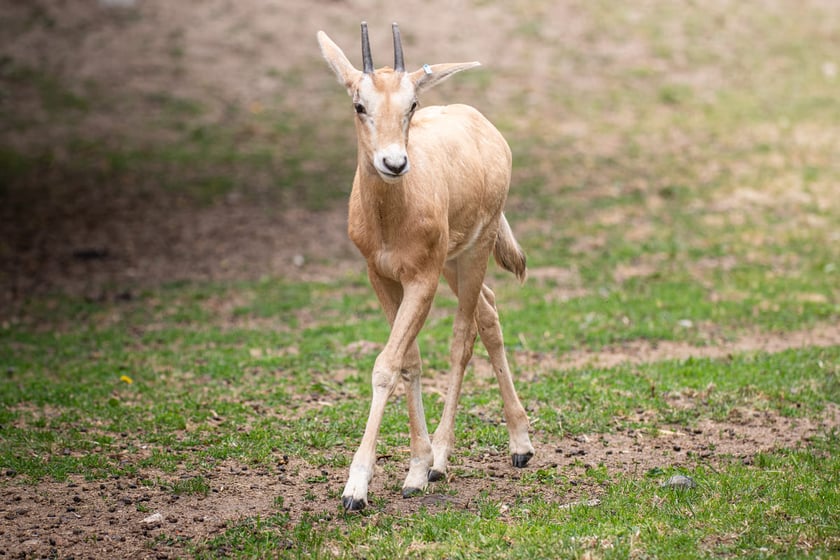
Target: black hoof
{"points": [[411, 492], [521, 459], [352, 504], [436, 476]]}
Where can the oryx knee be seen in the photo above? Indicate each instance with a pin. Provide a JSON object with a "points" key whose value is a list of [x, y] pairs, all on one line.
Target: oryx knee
{"points": [[384, 378]]}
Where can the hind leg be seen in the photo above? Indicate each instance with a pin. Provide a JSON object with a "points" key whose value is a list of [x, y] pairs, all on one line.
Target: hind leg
{"points": [[490, 331], [465, 276]]}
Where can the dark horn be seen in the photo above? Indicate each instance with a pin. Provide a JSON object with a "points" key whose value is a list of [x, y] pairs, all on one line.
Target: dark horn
{"points": [[367, 60], [399, 63]]}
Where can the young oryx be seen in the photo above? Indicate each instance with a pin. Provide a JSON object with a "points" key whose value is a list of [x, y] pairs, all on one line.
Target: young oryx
{"points": [[427, 200]]}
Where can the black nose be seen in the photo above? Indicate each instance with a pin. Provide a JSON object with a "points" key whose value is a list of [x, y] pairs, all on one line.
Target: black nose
{"points": [[396, 166]]}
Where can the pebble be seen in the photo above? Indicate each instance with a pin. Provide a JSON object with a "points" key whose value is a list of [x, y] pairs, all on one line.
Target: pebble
{"points": [[152, 521], [680, 482]]}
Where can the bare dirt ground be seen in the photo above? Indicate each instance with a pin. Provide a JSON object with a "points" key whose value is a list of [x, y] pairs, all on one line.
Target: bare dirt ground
{"points": [[63, 229]]}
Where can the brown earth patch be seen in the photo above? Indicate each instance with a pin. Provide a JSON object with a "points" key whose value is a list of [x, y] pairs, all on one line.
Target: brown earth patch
{"points": [[642, 351], [139, 246], [105, 518]]}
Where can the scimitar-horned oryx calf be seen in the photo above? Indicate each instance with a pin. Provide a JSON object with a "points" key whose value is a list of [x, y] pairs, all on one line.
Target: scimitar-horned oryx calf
{"points": [[427, 200]]}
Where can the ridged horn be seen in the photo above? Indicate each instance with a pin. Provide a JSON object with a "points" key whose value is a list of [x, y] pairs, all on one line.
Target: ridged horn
{"points": [[399, 63], [367, 60]]}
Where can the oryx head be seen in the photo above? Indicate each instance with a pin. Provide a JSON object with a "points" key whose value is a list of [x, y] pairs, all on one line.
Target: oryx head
{"points": [[384, 101]]}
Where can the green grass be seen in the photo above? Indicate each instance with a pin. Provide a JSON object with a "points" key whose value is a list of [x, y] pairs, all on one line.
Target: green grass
{"points": [[197, 379]]}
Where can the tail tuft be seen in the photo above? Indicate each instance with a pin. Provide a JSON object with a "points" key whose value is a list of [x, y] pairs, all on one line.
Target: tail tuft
{"points": [[507, 252]]}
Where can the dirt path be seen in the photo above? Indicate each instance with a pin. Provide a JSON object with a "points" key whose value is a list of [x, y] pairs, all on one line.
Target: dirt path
{"points": [[637, 352]]}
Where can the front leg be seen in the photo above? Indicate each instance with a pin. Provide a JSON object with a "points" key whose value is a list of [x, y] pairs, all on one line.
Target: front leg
{"points": [[354, 497], [421, 445], [389, 367]]}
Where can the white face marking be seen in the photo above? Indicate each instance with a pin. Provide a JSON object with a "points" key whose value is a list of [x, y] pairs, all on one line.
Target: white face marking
{"points": [[386, 121]]}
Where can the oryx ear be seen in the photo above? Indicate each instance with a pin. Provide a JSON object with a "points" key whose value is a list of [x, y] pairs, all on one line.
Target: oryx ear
{"points": [[431, 75], [345, 72]]}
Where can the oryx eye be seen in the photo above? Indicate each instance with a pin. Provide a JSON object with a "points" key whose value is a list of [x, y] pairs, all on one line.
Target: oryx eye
{"points": [[413, 106], [360, 109]]}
